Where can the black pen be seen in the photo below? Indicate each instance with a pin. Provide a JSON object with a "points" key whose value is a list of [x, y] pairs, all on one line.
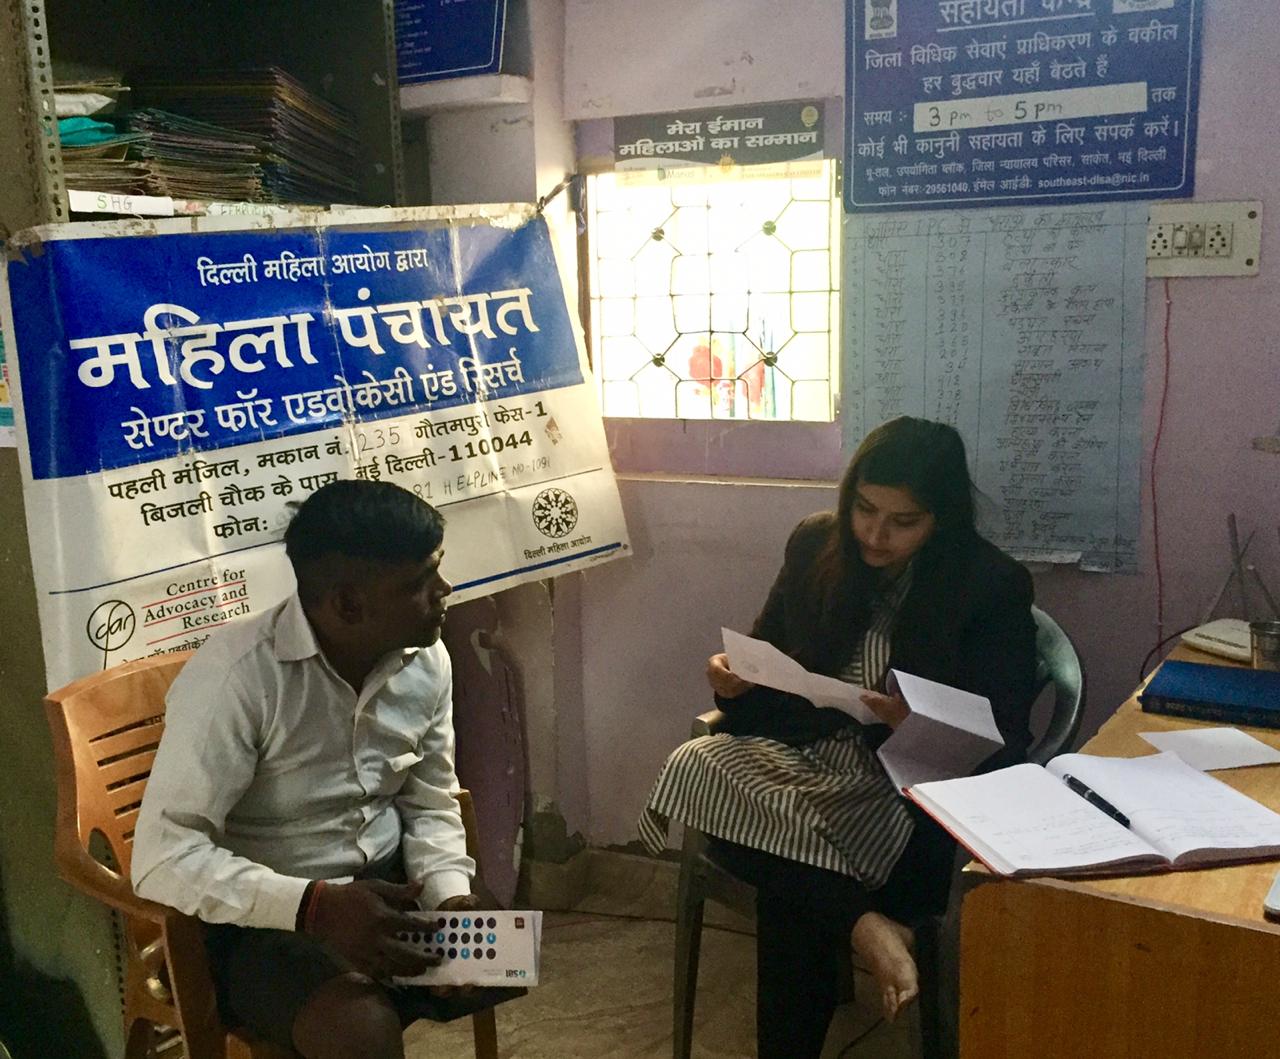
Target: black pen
{"points": [[1096, 800]]}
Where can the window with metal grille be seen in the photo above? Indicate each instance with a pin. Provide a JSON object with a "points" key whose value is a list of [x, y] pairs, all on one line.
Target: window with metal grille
{"points": [[714, 294]]}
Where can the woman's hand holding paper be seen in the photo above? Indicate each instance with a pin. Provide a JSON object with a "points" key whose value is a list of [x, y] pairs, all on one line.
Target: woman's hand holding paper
{"points": [[891, 709], [723, 680]]}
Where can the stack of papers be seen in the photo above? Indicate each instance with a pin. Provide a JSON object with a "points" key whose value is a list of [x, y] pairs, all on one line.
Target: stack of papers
{"points": [[104, 167], [185, 158], [308, 146], [96, 156]]}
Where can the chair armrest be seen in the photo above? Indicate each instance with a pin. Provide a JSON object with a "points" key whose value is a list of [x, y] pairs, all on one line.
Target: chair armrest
{"points": [[179, 975], [467, 809], [707, 723], [101, 883]]}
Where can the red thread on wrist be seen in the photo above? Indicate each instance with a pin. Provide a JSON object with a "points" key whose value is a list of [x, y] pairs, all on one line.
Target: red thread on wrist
{"points": [[308, 917]]}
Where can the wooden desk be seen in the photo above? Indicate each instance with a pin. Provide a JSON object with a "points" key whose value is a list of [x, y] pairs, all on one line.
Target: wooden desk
{"points": [[1172, 965]]}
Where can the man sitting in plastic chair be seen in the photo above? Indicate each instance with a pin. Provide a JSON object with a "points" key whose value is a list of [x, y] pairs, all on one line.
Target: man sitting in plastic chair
{"points": [[301, 802]]}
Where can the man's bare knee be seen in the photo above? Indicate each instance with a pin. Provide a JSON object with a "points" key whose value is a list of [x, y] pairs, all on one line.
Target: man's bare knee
{"points": [[349, 1017]]}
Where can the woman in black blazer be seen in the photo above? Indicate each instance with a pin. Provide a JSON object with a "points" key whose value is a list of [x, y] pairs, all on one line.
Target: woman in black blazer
{"points": [[792, 795]]}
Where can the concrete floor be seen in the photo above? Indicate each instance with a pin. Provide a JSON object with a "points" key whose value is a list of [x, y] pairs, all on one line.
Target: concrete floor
{"points": [[607, 992]]}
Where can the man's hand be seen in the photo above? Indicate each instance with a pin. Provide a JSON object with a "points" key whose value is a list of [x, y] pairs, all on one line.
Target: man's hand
{"points": [[723, 680], [461, 903], [361, 920]]}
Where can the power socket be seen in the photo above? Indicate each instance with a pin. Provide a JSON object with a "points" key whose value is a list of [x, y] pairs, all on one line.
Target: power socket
{"points": [[1159, 240], [1218, 239], [1204, 238], [1188, 240]]}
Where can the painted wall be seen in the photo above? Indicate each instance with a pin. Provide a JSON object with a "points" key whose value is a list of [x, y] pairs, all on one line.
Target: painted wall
{"points": [[520, 153], [703, 555], [57, 952], [623, 57], [705, 551]]}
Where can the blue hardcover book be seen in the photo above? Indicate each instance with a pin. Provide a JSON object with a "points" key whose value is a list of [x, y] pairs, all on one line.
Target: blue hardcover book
{"points": [[1227, 694]]}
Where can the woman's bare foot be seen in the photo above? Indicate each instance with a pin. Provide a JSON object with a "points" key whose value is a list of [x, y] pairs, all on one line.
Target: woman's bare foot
{"points": [[885, 945]]}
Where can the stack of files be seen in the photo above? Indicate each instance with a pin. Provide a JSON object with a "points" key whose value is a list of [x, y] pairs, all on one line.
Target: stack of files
{"points": [[105, 167], [192, 159], [97, 157], [309, 146]]}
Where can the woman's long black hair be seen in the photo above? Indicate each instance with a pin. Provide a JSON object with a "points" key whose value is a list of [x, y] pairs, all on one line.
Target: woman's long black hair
{"points": [[923, 457]]}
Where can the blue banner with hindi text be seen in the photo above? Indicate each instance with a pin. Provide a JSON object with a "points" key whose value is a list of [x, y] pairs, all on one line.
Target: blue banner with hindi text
{"points": [[1019, 102], [137, 349]]}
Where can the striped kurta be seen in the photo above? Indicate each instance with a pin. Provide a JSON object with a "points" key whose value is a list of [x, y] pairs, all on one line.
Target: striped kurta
{"points": [[827, 803]]}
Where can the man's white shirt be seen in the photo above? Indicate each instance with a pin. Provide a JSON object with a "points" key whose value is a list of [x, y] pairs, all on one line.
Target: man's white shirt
{"points": [[273, 772]]}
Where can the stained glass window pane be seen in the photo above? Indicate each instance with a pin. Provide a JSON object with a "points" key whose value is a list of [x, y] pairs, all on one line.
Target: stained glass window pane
{"points": [[714, 294]]}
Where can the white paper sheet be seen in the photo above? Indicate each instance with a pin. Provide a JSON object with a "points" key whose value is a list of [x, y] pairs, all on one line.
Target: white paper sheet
{"points": [[1214, 748], [947, 734], [762, 663]]}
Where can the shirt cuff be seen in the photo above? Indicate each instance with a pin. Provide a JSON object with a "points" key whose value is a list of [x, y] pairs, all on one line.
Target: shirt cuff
{"points": [[441, 885], [276, 906]]}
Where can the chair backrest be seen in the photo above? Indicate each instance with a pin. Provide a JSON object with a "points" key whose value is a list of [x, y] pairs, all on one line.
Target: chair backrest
{"points": [[106, 728], [1057, 663]]}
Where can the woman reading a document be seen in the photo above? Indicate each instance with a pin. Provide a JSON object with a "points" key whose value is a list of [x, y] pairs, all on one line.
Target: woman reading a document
{"points": [[793, 796]]}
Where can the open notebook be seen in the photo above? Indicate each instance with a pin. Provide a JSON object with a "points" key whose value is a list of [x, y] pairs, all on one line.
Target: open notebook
{"points": [[1025, 820]]}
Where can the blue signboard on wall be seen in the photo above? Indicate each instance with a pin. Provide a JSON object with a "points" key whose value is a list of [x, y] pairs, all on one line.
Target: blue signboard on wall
{"points": [[436, 39], [1019, 102], [263, 334]]}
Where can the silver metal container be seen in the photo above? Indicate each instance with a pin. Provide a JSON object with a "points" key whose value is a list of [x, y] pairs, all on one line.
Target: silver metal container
{"points": [[1264, 644]]}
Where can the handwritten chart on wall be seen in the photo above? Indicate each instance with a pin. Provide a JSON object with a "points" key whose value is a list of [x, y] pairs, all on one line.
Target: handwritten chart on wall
{"points": [[1024, 329], [1020, 102]]}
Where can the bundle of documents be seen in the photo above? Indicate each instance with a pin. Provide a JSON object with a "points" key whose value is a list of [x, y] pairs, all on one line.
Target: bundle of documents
{"points": [[185, 158], [104, 167], [1083, 814], [308, 146], [96, 155]]}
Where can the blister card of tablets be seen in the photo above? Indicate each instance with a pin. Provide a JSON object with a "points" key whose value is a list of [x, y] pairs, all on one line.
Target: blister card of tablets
{"points": [[478, 948]]}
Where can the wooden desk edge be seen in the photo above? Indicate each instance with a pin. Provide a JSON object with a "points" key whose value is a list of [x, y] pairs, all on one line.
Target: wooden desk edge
{"points": [[1090, 888]]}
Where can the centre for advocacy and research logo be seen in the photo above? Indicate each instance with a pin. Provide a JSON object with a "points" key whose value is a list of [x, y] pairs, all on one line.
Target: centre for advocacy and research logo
{"points": [[110, 627]]}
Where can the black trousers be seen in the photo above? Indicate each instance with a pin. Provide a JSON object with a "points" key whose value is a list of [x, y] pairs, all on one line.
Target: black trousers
{"points": [[804, 916]]}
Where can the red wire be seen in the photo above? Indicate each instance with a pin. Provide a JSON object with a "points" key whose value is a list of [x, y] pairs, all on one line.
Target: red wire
{"points": [[1155, 452]]}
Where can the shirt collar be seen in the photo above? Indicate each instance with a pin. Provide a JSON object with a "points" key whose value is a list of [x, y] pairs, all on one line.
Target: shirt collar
{"points": [[295, 639]]}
